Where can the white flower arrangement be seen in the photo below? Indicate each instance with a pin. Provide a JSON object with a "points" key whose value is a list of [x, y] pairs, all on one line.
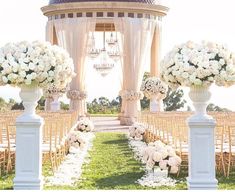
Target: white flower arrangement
{"points": [[131, 95], [75, 139], [36, 63], [76, 95], [153, 86], [52, 91], [136, 131], [192, 64], [161, 155], [85, 125]]}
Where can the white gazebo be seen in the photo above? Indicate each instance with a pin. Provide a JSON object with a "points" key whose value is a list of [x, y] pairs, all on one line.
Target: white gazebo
{"points": [[137, 21]]}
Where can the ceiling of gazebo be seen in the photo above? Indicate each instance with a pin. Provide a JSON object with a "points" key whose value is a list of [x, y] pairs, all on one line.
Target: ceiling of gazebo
{"points": [[70, 1]]}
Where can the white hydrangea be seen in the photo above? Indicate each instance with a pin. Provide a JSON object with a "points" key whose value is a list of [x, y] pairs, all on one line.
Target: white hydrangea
{"points": [[153, 86], [38, 63], [192, 64]]}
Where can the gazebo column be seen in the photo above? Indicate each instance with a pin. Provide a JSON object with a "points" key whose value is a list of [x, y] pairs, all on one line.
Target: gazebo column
{"points": [[155, 64]]}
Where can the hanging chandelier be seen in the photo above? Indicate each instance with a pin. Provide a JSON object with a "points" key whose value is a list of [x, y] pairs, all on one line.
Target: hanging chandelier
{"points": [[105, 65], [93, 52]]}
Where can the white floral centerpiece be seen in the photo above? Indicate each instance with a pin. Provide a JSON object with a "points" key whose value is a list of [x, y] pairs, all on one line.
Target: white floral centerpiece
{"points": [[53, 90], [85, 125], [198, 66], [136, 131], [75, 139], [32, 66], [36, 63], [193, 64], [160, 155], [153, 86]]}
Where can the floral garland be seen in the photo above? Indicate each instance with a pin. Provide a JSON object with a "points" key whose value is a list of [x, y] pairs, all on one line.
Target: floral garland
{"points": [[136, 131], [153, 86], [36, 63], [76, 95], [85, 125], [131, 95], [192, 64]]}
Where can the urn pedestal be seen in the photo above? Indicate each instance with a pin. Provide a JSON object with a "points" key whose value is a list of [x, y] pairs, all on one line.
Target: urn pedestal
{"points": [[201, 143], [28, 171]]}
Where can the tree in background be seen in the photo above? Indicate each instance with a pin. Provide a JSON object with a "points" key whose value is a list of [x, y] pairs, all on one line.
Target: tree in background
{"points": [[174, 100], [102, 105], [213, 107]]}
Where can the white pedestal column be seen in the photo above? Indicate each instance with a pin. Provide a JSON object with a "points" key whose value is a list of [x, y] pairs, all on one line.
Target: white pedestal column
{"points": [[201, 143], [201, 155], [55, 104], [28, 155], [28, 174], [155, 105]]}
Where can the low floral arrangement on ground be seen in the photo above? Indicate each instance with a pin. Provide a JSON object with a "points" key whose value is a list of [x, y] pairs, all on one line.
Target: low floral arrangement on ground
{"points": [[154, 87], [159, 160], [192, 64], [75, 139], [160, 155], [36, 63], [85, 125], [136, 131]]}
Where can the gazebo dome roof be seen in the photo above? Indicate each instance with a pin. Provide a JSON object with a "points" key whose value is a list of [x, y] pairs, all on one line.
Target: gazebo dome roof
{"points": [[71, 1]]}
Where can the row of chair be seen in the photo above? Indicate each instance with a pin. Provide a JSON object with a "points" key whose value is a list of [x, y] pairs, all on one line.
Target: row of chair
{"points": [[55, 130], [172, 128]]}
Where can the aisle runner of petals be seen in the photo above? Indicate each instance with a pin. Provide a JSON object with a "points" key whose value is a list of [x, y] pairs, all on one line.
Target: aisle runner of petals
{"points": [[148, 179], [70, 170]]}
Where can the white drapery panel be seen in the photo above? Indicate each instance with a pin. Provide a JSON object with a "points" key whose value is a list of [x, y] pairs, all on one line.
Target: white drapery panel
{"points": [[72, 34], [138, 35], [50, 32]]}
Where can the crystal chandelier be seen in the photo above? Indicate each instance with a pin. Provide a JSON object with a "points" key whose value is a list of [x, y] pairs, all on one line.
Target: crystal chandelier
{"points": [[105, 65], [111, 41], [93, 52]]}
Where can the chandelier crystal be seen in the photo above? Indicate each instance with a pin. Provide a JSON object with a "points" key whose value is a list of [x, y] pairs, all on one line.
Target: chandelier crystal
{"points": [[105, 65], [93, 52]]}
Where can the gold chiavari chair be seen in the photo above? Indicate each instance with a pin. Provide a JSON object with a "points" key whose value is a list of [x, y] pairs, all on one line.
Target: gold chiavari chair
{"points": [[3, 151], [230, 158]]}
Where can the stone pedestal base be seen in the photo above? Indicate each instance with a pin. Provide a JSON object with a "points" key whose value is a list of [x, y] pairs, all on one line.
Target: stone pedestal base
{"points": [[155, 105], [201, 154], [28, 153], [55, 106]]}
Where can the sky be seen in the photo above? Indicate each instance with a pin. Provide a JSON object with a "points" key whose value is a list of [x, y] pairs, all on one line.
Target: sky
{"points": [[195, 20]]}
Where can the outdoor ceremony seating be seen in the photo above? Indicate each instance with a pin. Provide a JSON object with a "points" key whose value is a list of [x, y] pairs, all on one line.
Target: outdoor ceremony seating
{"points": [[171, 128], [55, 147]]}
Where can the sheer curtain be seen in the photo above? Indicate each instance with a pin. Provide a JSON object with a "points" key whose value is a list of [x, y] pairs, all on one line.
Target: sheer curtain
{"points": [[138, 35], [72, 34]]}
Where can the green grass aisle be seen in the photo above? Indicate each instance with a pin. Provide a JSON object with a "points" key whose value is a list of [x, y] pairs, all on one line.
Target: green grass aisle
{"points": [[112, 165]]}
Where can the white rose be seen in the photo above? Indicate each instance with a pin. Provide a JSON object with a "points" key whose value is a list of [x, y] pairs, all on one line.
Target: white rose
{"points": [[157, 156], [174, 169], [163, 164], [22, 73], [4, 79]]}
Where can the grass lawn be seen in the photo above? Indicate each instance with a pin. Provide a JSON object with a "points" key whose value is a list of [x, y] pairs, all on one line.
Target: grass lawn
{"points": [[112, 166]]}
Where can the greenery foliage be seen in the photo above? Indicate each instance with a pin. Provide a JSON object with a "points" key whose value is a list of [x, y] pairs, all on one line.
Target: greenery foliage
{"points": [[213, 107], [103, 105]]}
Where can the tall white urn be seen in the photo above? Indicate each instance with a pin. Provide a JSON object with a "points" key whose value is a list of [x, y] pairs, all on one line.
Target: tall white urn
{"points": [[55, 104], [156, 104], [28, 174], [201, 142]]}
